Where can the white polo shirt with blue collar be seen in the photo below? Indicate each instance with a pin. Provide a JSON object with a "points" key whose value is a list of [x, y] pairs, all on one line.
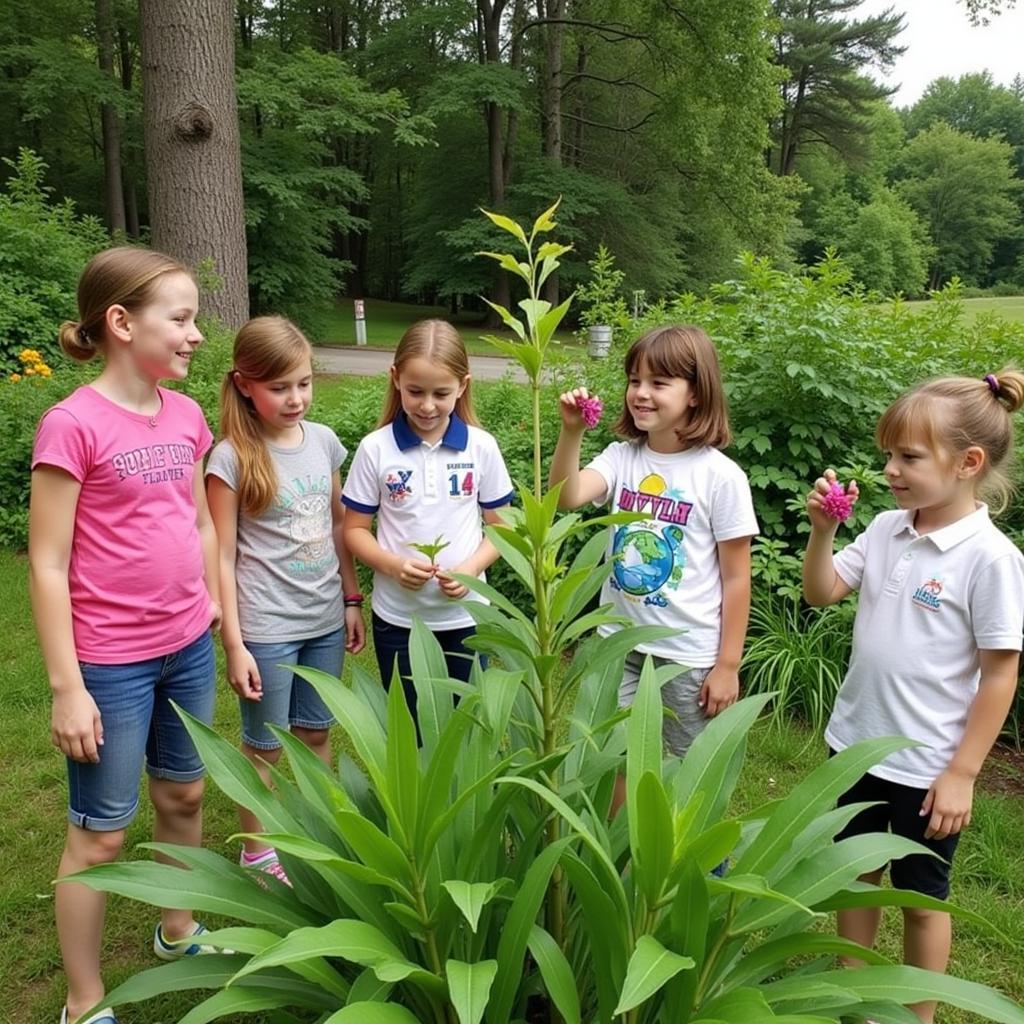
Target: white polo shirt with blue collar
{"points": [[419, 491], [928, 605]]}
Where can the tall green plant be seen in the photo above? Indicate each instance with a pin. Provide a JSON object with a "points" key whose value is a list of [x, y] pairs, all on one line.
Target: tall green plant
{"points": [[419, 873]]}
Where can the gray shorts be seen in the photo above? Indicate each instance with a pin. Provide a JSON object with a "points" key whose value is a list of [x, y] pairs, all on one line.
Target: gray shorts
{"points": [[679, 695]]}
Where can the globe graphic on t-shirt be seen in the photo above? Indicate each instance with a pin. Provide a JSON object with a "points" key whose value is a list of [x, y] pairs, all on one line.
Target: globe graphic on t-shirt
{"points": [[644, 559]]}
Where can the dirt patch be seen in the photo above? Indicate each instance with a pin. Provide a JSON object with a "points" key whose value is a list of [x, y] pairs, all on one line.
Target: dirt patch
{"points": [[1003, 771]]}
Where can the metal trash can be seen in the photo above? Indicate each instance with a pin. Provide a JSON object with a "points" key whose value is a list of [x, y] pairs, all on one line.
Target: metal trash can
{"points": [[600, 338]]}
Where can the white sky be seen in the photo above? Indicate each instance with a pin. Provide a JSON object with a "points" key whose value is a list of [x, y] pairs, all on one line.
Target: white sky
{"points": [[940, 40]]}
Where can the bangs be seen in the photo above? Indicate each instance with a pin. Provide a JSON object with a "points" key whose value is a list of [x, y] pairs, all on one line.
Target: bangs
{"points": [[910, 421], [664, 353]]}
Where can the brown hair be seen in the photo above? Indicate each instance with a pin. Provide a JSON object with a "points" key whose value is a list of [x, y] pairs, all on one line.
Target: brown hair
{"points": [[951, 414], [438, 342], [267, 347], [686, 352], [123, 276]]}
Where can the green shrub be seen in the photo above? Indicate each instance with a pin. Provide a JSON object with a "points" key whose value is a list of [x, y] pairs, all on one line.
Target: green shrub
{"points": [[43, 247]]}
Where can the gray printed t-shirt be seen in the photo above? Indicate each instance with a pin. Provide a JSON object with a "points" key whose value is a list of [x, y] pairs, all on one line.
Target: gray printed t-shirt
{"points": [[286, 568]]}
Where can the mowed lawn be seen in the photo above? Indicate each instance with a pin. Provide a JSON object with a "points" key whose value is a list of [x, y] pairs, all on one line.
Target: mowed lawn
{"points": [[1008, 307], [386, 322], [989, 878]]}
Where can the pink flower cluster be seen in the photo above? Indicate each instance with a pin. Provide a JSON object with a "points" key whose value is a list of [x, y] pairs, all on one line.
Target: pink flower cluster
{"points": [[837, 503], [591, 410]]}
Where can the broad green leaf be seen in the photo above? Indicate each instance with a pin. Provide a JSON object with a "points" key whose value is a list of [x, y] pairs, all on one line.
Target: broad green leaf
{"points": [[372, 1012], [713, 760], [508, 545], [162, 885], [608, 933], [516, 933], [469, 987], [217, 972], [374, 848], [830, 870], [427, 662], [369, 988], [472, 897], [506, 224], [548, 323], [234, 1000], [650, 967], [771, 957], [813, 796], [557, 974], [654, 837], [552, 249], [235, 775], [356, 719], [439, 779], [545, 222], [688, 928], [508, 262], [905, 985], [403, 769], [535, 310], [644, 743]]}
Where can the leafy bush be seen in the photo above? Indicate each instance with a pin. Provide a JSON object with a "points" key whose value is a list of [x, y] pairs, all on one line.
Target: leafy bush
{"points": [[43, 247]]}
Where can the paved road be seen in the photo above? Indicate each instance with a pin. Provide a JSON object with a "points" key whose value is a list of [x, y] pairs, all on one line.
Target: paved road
{"points": [[368, 362]]}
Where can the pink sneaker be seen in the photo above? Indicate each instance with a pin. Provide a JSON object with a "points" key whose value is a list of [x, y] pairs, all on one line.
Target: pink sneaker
{"points": [[266, 863]]}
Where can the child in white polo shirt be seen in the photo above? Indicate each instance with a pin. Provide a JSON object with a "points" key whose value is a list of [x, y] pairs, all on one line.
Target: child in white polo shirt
{"points": [[937, 635], [429, 473]]}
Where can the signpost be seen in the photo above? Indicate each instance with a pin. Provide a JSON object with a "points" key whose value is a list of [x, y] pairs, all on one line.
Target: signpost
{"points": [[360, 322]]}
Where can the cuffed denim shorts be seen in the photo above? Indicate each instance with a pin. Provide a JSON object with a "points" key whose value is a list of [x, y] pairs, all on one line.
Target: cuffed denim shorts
{"points": [[288, 700], [134, 701]]}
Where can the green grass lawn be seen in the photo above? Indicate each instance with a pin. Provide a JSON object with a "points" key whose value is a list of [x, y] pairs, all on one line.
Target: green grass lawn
{"points": [[989, 878], [386, 322], [1008, 307]]}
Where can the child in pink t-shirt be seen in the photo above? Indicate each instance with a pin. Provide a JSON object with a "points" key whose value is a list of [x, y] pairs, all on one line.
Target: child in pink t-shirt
{"points": [[124, 589]]}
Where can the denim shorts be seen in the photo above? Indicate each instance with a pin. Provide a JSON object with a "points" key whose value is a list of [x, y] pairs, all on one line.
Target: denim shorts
{"points": [[134, 701], [288, 700], [680, 695]]}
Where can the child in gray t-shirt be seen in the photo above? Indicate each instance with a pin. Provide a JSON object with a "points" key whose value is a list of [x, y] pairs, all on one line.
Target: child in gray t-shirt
{"points": [[288, 586]]}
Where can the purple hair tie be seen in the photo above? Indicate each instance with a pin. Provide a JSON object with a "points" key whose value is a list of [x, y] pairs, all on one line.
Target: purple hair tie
{"points": [[993, 383]]}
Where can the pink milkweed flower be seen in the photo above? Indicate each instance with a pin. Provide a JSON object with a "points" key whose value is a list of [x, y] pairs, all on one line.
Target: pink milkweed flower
{"points": [[837, 503], [591, 410]]}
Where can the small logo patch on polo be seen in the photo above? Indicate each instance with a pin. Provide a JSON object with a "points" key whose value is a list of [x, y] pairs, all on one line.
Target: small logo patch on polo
{"points": [[927, 595], [397, 483]]}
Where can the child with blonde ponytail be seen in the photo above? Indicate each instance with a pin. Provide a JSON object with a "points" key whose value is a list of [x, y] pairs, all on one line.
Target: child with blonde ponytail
{"points": [[937, 637], [289, 587]]}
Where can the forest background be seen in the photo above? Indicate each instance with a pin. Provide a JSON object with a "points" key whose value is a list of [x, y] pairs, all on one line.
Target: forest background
{"points": [[677, 134]]}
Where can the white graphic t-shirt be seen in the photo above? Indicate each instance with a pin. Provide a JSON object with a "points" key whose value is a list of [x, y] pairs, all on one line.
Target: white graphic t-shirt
{"points": [[666, 570]]}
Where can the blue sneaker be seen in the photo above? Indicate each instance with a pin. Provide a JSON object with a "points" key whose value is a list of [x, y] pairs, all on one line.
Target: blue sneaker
{"points": [[105, 1016], [178, 950]]}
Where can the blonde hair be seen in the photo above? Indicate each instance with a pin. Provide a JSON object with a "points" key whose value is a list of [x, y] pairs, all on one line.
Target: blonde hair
{"points": [[123, 276], [439, 343], [951, 414], [266, 348], [686, 352]]}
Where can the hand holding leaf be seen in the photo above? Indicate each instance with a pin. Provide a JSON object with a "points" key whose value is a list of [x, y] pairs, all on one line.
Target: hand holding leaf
{"points": [[431, 551]]}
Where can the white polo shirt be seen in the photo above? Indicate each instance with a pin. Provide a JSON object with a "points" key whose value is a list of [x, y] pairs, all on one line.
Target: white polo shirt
{"points": [[928, 604], [419, 491]]}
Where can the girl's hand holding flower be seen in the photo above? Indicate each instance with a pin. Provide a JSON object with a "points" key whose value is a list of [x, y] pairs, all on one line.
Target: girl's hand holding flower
{"points": [[580, 410], [829, 503]]}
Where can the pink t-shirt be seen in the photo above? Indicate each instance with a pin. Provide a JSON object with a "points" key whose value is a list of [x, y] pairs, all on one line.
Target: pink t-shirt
{"points": [[136, 572]]}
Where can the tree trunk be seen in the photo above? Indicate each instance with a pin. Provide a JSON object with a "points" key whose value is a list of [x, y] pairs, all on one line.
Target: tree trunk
{"points": [[554, 34], [193, 157], [113, 195], [489, 24]]}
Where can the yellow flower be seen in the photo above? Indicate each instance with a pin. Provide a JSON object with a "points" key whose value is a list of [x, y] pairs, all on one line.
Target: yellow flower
{"points": [[14, 378], [30, 371], [30, 355], [44, 370]]}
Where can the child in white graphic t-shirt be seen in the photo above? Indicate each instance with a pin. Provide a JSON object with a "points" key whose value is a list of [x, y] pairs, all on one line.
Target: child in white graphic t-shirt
{"points": [[688, 566]]}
